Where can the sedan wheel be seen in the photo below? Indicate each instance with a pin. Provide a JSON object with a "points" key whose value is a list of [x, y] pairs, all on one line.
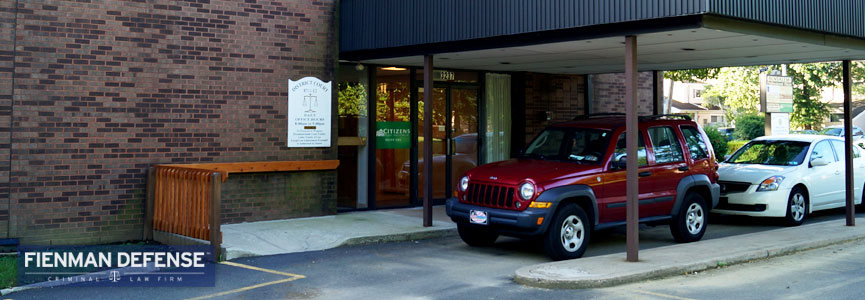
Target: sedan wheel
{"points": [[797, 207]]}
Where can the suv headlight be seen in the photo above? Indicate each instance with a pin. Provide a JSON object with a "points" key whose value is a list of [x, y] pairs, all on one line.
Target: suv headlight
{"points": [[527, 190], [464, 183], [770, 184]]}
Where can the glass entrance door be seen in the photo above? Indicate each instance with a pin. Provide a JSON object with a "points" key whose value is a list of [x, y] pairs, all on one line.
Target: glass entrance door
{"points": [[454, 143]]}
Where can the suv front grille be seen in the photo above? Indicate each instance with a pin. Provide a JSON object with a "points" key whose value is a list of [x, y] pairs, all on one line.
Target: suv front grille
{"points": [[733, 186], [490, 195]]}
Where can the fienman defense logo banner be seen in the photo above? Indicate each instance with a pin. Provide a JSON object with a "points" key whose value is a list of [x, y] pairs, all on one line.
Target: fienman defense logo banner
{"points": [[116, 265]]}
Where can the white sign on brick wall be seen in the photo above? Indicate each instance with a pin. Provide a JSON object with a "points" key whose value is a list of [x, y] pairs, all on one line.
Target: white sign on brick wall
{"points": [[309, 114]]}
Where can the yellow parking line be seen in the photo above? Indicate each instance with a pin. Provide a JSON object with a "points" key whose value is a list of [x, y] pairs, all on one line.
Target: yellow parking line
{"points": [[243, 289], [663, 295], [292, 277], [262, 269]]}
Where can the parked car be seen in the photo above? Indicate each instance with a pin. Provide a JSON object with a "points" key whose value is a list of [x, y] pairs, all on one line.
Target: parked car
{"points": [[838, 130], [805, 131], [727, 132], [787, 176], [570, 181]]}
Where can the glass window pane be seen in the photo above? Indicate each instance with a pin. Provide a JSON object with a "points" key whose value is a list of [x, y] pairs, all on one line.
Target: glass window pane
{"points": [[666, 145], [621, 150], [824, 150], [695, 143]]}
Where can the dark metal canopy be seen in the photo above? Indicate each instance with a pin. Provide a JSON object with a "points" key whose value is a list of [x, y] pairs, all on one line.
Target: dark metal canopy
{"points": [[584, 37]]}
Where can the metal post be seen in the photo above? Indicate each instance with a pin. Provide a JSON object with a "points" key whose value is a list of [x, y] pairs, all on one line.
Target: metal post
{"points": [[215, 222], [149, 204], [632, 207], [658, 92], [848, 145], [427, 139]]}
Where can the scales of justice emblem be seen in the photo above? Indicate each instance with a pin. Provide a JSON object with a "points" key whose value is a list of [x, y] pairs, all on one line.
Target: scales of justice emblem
{"points": [[310, 102]]}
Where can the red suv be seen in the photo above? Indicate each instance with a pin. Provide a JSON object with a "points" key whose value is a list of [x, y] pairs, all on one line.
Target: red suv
{"points": [[570, 180]]}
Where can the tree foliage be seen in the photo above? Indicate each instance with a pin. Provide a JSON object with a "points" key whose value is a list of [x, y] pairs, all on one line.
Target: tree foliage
{"points": [[691, 75], [737, 91], [749, 126]]}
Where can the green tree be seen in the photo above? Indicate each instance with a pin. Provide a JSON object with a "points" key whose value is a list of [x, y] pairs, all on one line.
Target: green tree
{"points": [[749, 126], [737, 91], [808, 82]]}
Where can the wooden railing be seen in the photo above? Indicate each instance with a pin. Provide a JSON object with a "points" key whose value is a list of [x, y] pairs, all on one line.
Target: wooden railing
{"points": [[184, 199]]}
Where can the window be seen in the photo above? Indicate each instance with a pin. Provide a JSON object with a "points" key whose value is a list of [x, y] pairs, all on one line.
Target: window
{"points": [[775, 153], [839, 148], [547, 144], [665, 145], [698, 94], [823, 150], [588, 145], [694, 141], [715, 119], [621, 146]]}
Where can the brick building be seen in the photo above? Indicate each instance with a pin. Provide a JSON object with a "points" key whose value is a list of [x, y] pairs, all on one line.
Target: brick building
{"points": [[93, 93]]}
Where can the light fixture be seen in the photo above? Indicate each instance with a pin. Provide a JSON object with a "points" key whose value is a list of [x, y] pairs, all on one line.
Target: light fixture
{"points": [[393, 69], [688, 49], [359, 67]]}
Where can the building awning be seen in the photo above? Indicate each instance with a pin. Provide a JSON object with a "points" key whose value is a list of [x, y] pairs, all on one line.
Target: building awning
{"points": [[584, 37], [686, 106]]}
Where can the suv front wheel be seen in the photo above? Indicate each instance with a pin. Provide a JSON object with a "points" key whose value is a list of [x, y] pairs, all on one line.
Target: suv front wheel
{"points": [[568, 235], [689, 224]]}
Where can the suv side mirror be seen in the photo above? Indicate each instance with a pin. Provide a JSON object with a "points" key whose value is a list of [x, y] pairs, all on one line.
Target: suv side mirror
{"points": [[820, 161], [621, 162]]}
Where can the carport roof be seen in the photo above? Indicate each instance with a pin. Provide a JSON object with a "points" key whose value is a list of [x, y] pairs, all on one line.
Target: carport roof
{"points": [[584, 37]]}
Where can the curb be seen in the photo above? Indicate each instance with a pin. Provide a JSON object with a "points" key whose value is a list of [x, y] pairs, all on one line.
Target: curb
{"points": [[399, 237], [362, 240], [525, 276]]}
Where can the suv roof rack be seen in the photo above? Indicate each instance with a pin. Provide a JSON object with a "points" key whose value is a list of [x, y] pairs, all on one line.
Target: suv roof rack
{"points": [[666, 117], [598, 115], [642, 118]]}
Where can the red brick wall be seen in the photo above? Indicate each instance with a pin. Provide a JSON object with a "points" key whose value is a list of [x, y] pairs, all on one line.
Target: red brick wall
{"points": [[608, 92], [563, 95], [105, 89], [7, 37]]}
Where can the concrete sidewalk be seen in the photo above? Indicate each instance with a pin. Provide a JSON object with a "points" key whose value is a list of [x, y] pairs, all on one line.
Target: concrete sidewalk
{"points": [[609, 270], [319, 233]]}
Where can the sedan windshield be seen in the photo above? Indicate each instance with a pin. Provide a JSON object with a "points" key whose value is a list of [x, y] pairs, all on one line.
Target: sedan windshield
{"points": [[778, 153], [831, 131], [572, 144]]}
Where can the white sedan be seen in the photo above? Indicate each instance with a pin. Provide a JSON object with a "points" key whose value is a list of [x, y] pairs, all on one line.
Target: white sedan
{"points": [[787, 176]]}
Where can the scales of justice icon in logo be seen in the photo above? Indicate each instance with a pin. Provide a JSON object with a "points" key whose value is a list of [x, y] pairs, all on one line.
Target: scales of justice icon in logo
{"points": [[310, 102]]}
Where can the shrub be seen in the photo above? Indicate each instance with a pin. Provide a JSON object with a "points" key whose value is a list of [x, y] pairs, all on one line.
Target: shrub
{"points": [[749, 126], [732, 146], [718, 141]]}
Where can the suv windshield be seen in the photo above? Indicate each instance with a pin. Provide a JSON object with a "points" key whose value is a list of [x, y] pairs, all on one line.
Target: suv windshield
{"points": [[778, 153], [571, 144]]}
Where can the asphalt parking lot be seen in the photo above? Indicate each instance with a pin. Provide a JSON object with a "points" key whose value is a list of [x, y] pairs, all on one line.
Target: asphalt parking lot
{"points": [[442, 268]]}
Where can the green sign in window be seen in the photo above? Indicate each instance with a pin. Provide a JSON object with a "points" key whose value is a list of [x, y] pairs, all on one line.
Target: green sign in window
{"points": [[393, 135]]}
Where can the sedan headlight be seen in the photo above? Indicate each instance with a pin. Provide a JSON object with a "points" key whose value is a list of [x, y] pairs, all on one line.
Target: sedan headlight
{"points": [[527, 190], [770, 184], [464, 183]]}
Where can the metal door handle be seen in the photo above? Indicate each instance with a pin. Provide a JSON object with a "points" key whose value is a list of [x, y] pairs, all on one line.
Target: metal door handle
{"points": [[644, 174]]}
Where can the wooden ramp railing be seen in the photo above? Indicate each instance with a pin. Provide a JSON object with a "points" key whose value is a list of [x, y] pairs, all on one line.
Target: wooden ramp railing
{"points": [[184, 199]]}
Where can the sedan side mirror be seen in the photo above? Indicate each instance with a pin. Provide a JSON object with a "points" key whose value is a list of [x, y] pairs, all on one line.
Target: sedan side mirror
{"points": [[726, 157], [820, 161]]}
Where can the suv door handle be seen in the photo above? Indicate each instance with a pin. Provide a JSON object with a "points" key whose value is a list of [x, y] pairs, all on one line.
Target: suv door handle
{"points": [[646, 173], [684, 168]]}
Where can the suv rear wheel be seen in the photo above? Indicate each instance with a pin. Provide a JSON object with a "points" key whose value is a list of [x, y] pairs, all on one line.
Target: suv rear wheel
{"points": [[689, 224], [476, 237], [568, 235]]}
